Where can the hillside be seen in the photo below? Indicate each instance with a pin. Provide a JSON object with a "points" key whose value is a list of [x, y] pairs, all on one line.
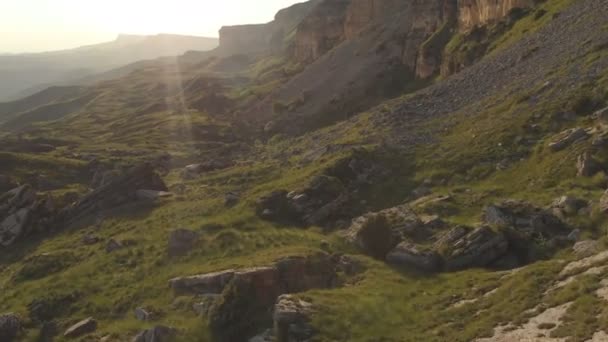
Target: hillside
{"points": [[25, 74], [366, 171]]}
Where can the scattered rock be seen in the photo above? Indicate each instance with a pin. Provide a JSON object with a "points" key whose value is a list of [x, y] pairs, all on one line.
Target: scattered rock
{"points": [[586, 248], [407, 254], [567, 138], [291, 319], [81, 328], [181, 242], [158, 333], [10, 327]]}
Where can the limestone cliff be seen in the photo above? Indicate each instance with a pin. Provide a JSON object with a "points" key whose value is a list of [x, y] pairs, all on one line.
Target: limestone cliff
{"points": [[472, 13]]}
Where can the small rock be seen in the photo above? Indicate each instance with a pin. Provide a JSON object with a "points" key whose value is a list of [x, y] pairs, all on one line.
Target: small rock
{"points": [[231, 199], [90, 239], [181, 242], [113, 246], [81, 328], [575, 235], [141, 314]]}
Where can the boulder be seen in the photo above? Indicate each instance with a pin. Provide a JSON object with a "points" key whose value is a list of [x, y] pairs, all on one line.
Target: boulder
{"points": [[274, 206], [14, 226], [194, 170], [567, 138], [158, 333], [142, 314], [478, 248], [410, 255], [373, 234], [202, 284], [181, 242], [90, 239], [120, 191], [83, 327], [298, 273], [586, 166], [292, 319], [586, 248], [10, 327]]}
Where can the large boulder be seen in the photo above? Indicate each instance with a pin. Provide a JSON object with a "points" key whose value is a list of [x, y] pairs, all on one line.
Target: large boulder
{"points": [[568, 205], [586, 248], [410, 255], [479, 248], [10, 327], [83, 327], [13, 226]]}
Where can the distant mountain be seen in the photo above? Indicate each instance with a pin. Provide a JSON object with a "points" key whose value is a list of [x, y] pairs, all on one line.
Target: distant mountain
{"points": [[24, 74]]}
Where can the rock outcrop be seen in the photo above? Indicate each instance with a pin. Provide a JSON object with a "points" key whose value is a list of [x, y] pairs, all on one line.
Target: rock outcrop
{"points": [[321, 30], [119, 191], [270, 37], [475, 13], [23, 212], [292, 319]]}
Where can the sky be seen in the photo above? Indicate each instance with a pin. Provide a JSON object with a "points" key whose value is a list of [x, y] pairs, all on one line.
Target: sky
{"points": [[45, 25]]}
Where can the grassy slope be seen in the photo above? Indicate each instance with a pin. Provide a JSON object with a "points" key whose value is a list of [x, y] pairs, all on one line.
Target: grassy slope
{"points": [[387, 304]]}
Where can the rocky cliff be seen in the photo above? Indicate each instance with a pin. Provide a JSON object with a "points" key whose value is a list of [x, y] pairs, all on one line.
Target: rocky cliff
{"points": [[472, 13], [271, 36]]}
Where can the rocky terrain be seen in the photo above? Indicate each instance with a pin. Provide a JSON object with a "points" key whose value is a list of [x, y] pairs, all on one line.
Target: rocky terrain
{"points": [[355, 170]]}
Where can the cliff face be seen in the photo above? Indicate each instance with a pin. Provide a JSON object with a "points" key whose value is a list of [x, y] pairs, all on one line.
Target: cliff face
{"points": [[472, 13], [270, 37], [361, 13], [321, 30]]}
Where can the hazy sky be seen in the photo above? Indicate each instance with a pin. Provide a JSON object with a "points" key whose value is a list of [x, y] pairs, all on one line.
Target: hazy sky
{"points": [[41, 25]]}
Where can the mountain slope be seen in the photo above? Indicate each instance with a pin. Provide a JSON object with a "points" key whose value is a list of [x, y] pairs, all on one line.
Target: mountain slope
{"points": [[29, 73]]}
